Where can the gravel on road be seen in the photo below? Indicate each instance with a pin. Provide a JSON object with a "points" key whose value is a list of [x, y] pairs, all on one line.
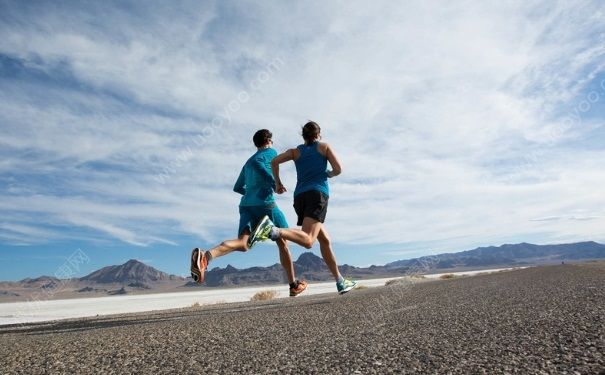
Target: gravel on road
{"points": [[539, 320]]}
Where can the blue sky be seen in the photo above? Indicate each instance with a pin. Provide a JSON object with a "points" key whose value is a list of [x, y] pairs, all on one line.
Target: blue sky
{"points": [[124, 125]]}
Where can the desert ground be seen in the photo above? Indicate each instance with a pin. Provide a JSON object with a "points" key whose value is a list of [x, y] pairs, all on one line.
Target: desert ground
{"points": [[538, 320]]}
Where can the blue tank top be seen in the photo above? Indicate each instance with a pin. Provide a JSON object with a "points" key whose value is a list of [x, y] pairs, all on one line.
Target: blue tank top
{"points": [[311, 170]]}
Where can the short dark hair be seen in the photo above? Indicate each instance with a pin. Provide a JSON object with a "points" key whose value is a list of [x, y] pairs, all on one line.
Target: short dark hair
{"points": [[261, 137], [310, 131]]}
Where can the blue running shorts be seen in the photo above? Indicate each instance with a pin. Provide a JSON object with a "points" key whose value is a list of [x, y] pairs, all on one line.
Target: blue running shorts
{"points": [[249, 216]]}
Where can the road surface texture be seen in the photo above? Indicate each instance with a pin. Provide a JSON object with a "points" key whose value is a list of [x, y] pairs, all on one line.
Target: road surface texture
{"points": [[541, 320]]}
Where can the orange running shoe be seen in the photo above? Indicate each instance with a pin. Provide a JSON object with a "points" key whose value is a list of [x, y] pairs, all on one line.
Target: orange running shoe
{"points": [[298, 289], [199, 263]]}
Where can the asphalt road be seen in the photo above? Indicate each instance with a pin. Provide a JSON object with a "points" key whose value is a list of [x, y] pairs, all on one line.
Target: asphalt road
{"points": [[539, 320]]}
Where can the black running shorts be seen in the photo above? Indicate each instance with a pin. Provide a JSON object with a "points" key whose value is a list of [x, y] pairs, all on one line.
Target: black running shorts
{"points": [[313, 204]]}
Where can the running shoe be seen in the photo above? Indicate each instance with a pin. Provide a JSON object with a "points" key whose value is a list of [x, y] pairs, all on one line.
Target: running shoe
{"points": [[345, 285], [199, 263], [261, 232], [300, 287]]}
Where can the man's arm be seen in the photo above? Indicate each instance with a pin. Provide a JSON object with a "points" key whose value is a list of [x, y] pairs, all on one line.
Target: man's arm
{"points": [[260, 164], [279, 159], [239, 186]]}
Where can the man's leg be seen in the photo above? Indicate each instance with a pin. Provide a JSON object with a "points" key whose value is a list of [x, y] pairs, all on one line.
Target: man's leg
{"points": [[228, 246], [200, 259], [296, 286], [325, 246], [286, 259], [279, 220]]}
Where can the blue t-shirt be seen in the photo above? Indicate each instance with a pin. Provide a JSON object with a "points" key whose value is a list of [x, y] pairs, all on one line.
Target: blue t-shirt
{"points": [[255, 181], [311, 170]]}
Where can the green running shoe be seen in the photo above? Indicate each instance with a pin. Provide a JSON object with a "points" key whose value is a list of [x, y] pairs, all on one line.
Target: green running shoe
{"points": [[261, 232], [345, 285]]}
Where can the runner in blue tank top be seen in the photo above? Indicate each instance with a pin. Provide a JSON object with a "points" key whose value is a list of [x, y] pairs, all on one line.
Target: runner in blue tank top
{"points": [[310, 199], [311, 167], [255, 183]]}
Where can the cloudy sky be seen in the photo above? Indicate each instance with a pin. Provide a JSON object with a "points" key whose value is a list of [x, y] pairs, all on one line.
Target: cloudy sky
{"points": [[125, 124]]}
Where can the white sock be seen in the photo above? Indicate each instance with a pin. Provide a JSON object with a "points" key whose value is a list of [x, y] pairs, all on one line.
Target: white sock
{"points": [[275, 234], [340, 279]]}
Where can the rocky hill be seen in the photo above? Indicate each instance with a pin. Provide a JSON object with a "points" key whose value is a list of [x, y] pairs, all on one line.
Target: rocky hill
{"points": [[133, 271]]}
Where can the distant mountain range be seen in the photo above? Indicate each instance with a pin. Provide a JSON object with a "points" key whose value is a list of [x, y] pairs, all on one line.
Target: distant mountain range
{"points": [[311, 267], [130, 277], [505, 255], [135, 276]]}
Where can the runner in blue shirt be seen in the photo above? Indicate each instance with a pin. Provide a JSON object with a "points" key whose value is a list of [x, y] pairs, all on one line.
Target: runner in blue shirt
{"points": [[256, 184], [310, 199]]}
